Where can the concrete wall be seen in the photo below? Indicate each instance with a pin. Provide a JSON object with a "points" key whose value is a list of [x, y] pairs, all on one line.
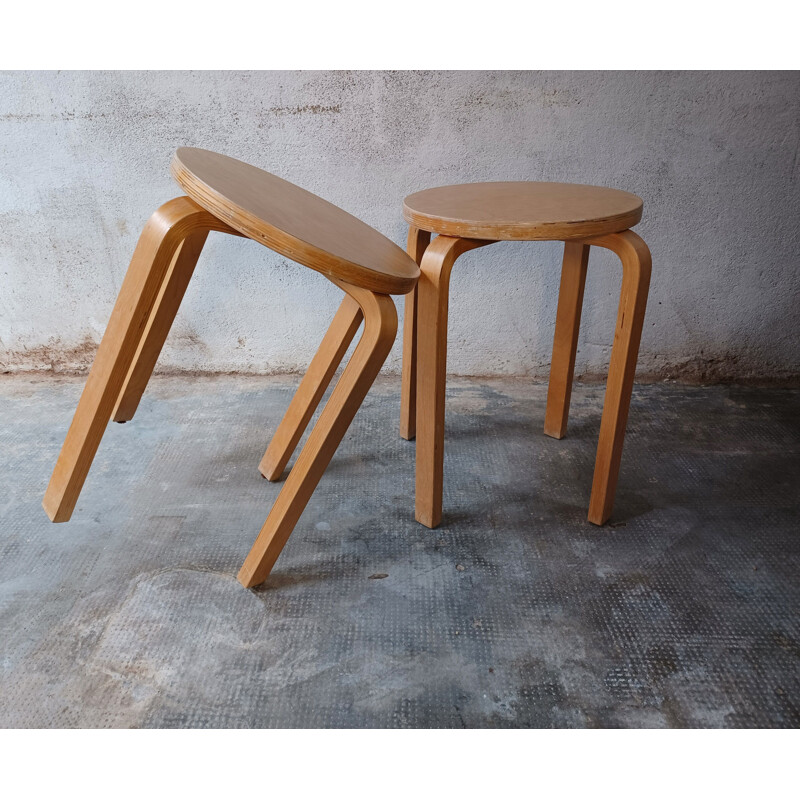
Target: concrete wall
{"points": [[84, 160]]}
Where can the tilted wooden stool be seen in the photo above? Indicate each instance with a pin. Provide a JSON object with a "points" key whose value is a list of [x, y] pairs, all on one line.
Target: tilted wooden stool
{"points": [[477, 214], [229, 196]]}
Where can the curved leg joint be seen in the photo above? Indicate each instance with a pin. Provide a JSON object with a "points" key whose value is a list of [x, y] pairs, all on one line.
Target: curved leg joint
{"points": [[432, 302], [162, 236]]}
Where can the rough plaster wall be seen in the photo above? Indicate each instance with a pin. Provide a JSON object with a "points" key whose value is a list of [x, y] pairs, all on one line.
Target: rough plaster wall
{"points": [[84, 160]]}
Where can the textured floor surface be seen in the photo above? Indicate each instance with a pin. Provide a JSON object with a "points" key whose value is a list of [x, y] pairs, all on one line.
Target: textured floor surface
{"points": [[684, 611]]}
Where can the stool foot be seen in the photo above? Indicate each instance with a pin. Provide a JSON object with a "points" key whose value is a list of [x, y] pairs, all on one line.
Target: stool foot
{"points": [[418, 240], [636, 268], [316, 380], [158, 243], [380, 328]]}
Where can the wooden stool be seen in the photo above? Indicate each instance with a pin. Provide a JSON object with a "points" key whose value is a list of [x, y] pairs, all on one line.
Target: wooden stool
{"points": [[232, 197], [477, 214]]}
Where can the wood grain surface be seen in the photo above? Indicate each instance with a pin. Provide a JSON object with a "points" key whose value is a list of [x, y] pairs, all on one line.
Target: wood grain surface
{"points": [[522, 210], [294, 222]]}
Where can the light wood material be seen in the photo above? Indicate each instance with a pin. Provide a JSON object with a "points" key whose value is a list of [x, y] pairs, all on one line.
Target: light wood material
{"points": [[364, 264], [294, 222], [433, 293], [565, 340], [417, 243], [522, 210], [163, 234], [380, 328], [472, 215], [636, 268], [160, 321], [163, 314], [334, 345]]}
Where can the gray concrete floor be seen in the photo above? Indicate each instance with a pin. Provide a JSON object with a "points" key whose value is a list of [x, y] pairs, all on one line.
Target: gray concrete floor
{"points": [[515, 613]]}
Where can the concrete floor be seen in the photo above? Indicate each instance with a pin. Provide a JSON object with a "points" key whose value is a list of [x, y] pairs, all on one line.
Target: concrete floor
{"points": [[515, 613]]}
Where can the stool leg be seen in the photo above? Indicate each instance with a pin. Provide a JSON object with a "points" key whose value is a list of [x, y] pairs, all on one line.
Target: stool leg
{"points": [[161, 237], [565, 339], [380, 328], [418, 240], [636, 267], [432, 300], [316, 380], [161, 318]]}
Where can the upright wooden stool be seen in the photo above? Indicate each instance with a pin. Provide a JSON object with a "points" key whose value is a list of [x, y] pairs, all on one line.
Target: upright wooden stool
{"points": [[477, 214], [232, 197]]}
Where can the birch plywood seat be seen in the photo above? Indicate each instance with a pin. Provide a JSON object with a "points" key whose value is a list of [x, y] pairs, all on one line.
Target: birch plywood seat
{"points": [[473, 215], [293, 222], [522, 211], [232, 197]]}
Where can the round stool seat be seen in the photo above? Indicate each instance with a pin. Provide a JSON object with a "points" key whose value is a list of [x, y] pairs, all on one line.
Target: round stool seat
{"points": [[293, 222], [522, 210]]}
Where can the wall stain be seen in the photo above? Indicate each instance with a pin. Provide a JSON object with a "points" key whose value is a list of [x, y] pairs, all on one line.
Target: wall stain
{"points": [[55, 356], [307, 109]]}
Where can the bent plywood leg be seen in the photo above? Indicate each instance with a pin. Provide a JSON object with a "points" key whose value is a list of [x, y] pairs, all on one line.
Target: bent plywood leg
{"points": [[418, 240], [636, 266], [316, 380], [160, 321], [162, 235], [565, 339], [433, 294], [380, 327]]}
